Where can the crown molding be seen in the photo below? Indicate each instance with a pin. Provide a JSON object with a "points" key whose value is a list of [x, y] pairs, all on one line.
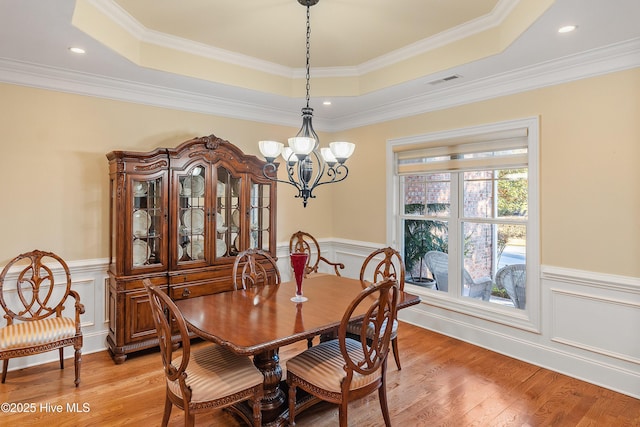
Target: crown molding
{"points": [[468, 29], [617, 57], [118, 15], [613, 58], [61, 80]]}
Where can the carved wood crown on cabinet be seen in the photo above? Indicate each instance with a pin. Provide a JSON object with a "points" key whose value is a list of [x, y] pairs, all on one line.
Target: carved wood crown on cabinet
{"points": [[178, 216]]}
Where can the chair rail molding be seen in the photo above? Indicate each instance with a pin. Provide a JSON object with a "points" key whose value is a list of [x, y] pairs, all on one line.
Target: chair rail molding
{"points": [[572, 340]]}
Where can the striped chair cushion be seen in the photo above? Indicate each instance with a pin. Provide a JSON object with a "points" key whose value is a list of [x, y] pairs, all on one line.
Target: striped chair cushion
{"points": [[214, 372], [323, 366], [36, 332], [354, 328]]}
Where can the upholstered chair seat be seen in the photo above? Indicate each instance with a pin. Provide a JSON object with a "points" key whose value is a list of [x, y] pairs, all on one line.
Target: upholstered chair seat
{"points": [[323, 366], [37, 332], [354, 329], [214, 373]]}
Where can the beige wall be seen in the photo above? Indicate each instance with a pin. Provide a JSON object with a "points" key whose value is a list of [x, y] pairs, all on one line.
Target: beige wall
{"points": [[590, 178], [54, 171]]}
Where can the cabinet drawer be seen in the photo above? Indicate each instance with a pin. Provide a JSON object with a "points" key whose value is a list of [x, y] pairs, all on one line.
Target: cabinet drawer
{"points": [[192, 290]]}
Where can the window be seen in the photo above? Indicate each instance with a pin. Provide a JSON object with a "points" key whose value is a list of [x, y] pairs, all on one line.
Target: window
{"points": [[465, 208]]}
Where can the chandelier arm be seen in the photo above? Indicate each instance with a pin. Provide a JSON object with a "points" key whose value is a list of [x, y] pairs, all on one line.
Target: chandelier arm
{"points": [[335, 172], [273, 168]]}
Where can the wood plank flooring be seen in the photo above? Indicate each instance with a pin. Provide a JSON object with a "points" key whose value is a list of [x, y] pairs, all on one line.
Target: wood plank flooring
{"points": [[444, 382]]}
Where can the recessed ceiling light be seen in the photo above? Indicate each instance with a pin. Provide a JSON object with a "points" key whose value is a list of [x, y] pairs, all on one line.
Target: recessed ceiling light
{"points": [[77, 50], [567, 28], [326, 102]]}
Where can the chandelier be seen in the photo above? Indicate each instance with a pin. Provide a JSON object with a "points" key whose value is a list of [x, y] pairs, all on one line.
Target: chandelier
{"points": [[308, 165]]}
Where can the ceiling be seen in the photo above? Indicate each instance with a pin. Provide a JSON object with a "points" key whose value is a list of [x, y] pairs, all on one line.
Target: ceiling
{"points": [[375, 60]]}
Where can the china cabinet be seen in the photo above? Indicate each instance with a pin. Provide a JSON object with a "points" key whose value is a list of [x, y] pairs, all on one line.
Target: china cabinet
{"points": [[178, 216]]}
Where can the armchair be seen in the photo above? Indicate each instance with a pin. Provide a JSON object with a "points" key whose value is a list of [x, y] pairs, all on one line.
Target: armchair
{"points": [[34, 310], [304, 242]]}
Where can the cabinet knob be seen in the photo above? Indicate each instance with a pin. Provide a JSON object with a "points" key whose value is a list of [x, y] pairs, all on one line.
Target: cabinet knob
{"points": [[186, 292]]}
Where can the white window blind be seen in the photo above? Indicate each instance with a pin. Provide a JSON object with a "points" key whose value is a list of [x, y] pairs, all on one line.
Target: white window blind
{"points": [[495, 150]]}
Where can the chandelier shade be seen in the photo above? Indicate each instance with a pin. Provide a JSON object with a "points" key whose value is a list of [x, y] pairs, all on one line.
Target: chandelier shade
{"points": [[308, 166]]}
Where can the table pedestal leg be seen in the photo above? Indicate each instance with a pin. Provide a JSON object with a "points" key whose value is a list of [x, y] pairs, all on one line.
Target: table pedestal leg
{"points": [[274, 401], [269, 364]]}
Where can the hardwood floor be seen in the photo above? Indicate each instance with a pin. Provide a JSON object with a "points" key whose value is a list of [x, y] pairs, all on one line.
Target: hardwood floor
{"points": [[444, 382]]}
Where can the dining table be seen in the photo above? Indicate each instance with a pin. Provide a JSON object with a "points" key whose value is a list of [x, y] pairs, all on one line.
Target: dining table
{"points": [[258, 321]]}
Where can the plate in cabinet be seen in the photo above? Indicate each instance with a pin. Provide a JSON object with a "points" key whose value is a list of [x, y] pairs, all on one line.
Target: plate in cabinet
{"points": [[141, 223], [195, 249], [235, 218], [193, 219], [221, 248], [193, 185], [141, 252]]}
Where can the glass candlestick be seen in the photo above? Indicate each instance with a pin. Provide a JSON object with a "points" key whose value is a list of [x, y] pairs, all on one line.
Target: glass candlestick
{"points": [[299, 262]]}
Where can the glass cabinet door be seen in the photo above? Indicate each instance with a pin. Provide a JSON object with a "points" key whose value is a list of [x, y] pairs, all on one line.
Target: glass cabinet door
{"points": [[259, 216], [228, 217], [191, 219], [146, 222]]}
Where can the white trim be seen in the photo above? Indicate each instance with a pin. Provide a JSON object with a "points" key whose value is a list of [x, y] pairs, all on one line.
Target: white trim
{"points": [[468, 29], [617, 57], [616, 371], [128, 23], [528, 319]]}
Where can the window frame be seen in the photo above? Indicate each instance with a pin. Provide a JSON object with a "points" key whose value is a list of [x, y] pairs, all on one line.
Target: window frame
{"points": [[529, 318]]}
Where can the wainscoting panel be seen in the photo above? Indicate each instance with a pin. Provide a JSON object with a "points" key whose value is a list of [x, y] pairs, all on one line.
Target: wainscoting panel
{"points": [[600, 325], [589, 320]]}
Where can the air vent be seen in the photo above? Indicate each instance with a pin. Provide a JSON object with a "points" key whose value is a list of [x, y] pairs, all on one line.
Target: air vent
{"points": [[445, 79]]}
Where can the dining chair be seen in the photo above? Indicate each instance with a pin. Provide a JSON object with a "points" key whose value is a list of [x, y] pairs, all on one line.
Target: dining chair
{"points": [[249, 269], [301, 241], [205, 379], [36, 321], [344, 369], [304, 242], [513, 278], [438, 263], [390, 266]]}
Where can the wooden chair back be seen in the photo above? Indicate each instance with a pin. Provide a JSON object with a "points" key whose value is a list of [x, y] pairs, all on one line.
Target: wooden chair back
{"points": [[384, 263], [36, 320], [301, 241], [249, 269], [380, 300], [168, 319]]}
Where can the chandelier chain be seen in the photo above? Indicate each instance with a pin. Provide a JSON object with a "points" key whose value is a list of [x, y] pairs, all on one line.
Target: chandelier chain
{"points": [[308, 166], [308, 46]]}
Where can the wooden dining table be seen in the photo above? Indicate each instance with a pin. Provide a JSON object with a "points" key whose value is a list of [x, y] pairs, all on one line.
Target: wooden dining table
{"points": [[258, 321]]}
